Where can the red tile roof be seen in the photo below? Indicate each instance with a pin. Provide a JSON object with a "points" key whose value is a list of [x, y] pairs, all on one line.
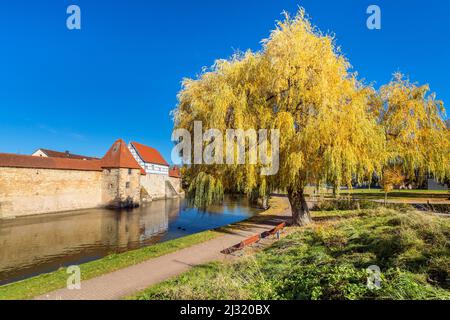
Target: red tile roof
{"points": [[149, 155], [175, 172], [25, 161], [67, 154], [119, 156]]}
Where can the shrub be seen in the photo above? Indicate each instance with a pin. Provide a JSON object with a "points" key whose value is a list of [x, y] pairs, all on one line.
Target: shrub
{"points": [[330, 236], [344, 204]]}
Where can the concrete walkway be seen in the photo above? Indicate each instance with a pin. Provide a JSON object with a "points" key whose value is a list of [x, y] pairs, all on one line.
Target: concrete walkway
{"points": [[127, 281]]}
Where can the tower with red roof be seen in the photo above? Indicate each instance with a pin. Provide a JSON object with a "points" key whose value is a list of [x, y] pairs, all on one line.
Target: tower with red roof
{"points": [[121, 177]]}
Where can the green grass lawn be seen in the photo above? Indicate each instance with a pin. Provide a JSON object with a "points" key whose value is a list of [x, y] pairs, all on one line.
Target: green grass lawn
{"points": [[44, 283], [329, 259], [413, 191], [378, 194], [397, 194]]}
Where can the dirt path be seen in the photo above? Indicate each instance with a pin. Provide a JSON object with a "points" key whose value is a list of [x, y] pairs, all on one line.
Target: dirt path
{"points": [[125, 282]]}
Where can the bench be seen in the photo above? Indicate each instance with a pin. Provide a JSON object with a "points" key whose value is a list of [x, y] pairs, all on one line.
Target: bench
{"points": [[253, 239], [273, 231], [242, 244]]}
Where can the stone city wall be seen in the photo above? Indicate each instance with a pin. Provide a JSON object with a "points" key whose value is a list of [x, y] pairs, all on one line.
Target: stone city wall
{"points": [[25, 191]]}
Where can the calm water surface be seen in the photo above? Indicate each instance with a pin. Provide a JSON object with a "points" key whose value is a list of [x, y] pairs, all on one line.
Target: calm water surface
{"points": [[33, 245]]}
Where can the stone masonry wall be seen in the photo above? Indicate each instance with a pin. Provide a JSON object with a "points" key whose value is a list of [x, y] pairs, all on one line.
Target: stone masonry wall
{"points": [[121, 186], [160, 186], [176, 183], [25, 191], [155, 185]]}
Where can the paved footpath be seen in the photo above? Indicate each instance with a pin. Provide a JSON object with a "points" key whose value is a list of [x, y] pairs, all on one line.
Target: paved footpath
{"points": [[127, 281]]}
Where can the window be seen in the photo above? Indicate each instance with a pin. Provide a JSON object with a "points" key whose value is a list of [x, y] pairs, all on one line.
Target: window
{"points": [[129, 171], [127, 185]]}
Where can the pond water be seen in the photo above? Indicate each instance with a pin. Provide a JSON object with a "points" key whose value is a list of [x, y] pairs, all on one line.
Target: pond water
{"points": [[33, 245]]}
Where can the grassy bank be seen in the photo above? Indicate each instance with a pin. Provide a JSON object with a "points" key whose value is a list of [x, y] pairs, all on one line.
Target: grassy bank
{"points": [[411, 195], [44, 283], [378, 194], [329, 260], [398, 195]]}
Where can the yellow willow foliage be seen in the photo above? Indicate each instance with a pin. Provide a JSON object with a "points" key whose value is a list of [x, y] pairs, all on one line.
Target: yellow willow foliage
{"points": [[417, 137], [392, 177], [300, 84], [205, 190]]}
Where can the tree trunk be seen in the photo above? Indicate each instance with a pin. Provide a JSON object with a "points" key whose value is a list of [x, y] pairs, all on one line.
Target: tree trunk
{"points": [[265, 202], [262, 202], [299, 207], [259, 202]]}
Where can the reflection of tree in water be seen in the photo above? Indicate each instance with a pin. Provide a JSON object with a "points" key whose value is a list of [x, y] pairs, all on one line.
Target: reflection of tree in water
{"points": [[231, 203]]}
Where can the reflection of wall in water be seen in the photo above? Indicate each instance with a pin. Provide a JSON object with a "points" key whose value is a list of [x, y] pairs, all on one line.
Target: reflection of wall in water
{"points": [[28, 241], [156, 221], [161, 212], [127, 230], [24, 241], [173, 208]]}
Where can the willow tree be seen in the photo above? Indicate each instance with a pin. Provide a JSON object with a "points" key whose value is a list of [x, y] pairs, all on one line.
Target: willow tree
{"points": [[418, 140], [392, 176], [300, 84]]}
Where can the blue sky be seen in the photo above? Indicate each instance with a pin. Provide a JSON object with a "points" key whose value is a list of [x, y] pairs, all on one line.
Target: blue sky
{"points": [[119, 75]]}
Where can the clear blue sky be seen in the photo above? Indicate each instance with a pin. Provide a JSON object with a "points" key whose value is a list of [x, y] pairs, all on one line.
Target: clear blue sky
{"points": [[119, 75]]}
